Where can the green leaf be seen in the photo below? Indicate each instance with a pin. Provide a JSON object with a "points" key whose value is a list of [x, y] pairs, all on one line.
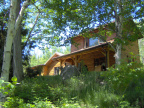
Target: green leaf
{"points": [[1, 81], [14, 80]]}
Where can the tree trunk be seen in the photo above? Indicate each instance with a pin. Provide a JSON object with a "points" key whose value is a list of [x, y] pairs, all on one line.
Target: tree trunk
{"points": [[8, 46], [118, 27], [118, 54], [9, 41], [17, 50], [13, 25]]}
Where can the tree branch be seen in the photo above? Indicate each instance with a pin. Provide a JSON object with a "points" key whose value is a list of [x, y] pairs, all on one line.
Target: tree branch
{"points": [[108, 43], [19, 18], [102, 37], [29, 35]]}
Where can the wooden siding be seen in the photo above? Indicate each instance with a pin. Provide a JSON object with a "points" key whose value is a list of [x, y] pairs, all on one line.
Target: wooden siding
{"points": [[88, 59], [111, 58], [44, 71], [132, 47], [52, 66], [49, 69], [78, 40]]}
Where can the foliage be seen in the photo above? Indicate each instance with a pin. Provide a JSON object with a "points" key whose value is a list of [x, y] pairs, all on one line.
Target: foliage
{"points": [[32, 73], [127, 81], [73, 93], [39, 88], [15, 102], [7, 87], [47, 53], [116, 88]]}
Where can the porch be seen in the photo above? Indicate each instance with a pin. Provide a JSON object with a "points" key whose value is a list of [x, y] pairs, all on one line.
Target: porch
{"points": [[96, 58]]}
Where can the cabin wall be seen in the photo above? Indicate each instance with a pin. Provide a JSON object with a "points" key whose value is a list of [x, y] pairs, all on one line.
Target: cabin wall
{"points": [[49, 69], [44, 71], [111, 58], [88, 59], [132, 47], [77, 40], [52, 66]]}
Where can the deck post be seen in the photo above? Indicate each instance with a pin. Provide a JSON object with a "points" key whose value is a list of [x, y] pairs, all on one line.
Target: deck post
{"points": [[76, 61], [108, 57], [106, 60], [60, 65]]}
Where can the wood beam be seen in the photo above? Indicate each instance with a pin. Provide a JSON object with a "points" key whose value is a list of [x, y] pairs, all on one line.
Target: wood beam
{"points": [[76, 63], [60, 63], [103, 53], [108, 57], [79, 58], [73, 59], [111, 49], [63, 61]]}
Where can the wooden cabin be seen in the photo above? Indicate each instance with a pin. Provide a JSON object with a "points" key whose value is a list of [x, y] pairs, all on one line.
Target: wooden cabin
{"points": [[93, 53]]}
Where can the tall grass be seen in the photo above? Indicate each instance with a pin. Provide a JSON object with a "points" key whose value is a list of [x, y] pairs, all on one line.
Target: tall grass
{"points": [[116, 88]]}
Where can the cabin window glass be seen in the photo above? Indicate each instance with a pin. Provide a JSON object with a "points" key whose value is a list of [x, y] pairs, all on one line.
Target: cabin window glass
{"points": [[93, 41]]}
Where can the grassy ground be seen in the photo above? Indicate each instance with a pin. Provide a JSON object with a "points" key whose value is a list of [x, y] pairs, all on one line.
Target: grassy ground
{"points": [[116, 88]]}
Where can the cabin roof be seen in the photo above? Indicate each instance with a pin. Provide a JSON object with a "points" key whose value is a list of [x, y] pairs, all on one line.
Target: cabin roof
{"points": [[81, 51], [56, 54]]}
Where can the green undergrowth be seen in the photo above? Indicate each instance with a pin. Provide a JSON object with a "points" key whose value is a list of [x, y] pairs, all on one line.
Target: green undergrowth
{"points": [[116, 88]]}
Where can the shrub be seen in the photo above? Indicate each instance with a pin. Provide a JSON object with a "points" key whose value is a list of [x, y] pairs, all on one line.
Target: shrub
{"points": [[15, 102], [127, 81], [31, 72], [32, 89], [88, 89], [122, 87]]}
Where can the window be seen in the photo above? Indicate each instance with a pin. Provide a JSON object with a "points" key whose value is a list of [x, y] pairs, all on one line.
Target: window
{"points": [[93, 42], [56, 71]]}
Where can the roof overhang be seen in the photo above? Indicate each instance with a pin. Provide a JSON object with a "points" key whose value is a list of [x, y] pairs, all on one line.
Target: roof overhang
{"points": [[82, 51]]}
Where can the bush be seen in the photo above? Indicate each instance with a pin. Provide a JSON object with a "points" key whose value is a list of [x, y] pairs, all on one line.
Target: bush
{"points": [[127, 81], [122, 87], [16, 102], [32, 73], [40, 88]]}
